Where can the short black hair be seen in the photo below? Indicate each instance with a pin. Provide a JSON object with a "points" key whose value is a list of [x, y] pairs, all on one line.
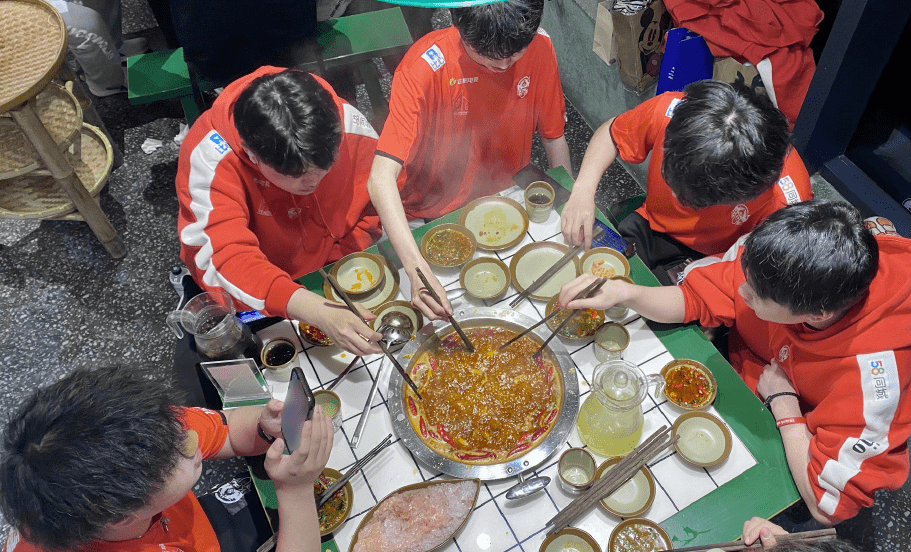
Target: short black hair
{"points": [[834, 545], [813, 257], [289, 121], [86, 451], [724, 145], [501, 29]]}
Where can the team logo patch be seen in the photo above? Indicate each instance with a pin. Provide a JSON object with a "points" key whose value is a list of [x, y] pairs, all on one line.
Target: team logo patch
{"points": [[522, 88], [739, 214], [784, 353], [880, 225], [221, 146], [460, 105], [670, 109], [463, 80], [356, 123], [434, 57], [294, 212], [789, 190], [879, 377]]}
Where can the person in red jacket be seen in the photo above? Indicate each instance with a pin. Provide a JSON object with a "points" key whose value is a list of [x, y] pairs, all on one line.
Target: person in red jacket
{"points": [[465, 104], [720, 163], [272, 185], [826, 305], [103, 460]]}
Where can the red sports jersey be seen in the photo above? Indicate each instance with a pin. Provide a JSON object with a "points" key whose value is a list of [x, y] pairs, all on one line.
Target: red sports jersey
{"points": [[462, 131], [712, 230], [184, 526], [852, 378], [241, 234]]}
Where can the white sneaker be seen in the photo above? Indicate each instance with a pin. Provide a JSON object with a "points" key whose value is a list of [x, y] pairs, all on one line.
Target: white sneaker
{"points": [[134, 47]]}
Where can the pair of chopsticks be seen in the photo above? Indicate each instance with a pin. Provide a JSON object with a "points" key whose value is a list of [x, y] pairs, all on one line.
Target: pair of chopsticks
{"points": [[808, 537], [580, 295], [341, 293], [584, 294], [452, 321], [324, 496], [622, 472], [540, 281]]}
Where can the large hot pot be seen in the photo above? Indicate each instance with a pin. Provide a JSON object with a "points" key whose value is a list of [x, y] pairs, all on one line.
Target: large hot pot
{"points": [[429, 339]]}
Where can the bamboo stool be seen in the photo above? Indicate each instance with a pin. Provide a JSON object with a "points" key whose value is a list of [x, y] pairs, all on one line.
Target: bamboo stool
{"points": [[32, 48]]}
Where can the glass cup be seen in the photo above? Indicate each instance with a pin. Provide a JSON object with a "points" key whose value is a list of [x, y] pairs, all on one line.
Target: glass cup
{"points": [[332, 406], [279, 357], [539, 201], [618, 312], [611, 340], [576, 469]]}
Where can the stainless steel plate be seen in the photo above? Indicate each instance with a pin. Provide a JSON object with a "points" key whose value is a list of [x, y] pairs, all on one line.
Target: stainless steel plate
{"points": [[472, 317]]}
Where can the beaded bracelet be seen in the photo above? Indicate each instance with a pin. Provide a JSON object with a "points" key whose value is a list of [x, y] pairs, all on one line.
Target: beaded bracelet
{"points": [[768, 400], [789, 421]]}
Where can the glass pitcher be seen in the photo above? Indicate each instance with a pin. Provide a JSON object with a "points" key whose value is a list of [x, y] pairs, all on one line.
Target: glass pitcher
{"points": [[610, 420], [218, 334]]}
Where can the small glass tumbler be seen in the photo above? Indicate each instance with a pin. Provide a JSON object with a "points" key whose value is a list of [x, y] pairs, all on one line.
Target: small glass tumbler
{"points": [[618, 311], [539, 201], [279, 356], [576, 469], [332, 406], [611, 340]]}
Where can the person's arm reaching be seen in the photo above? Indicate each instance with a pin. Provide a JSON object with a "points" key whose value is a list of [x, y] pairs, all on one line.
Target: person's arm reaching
{"points": [[795, 437], [384, 193], [293, 476], [662, 304], [578, 215], [557, 151], [243, 434], [763, 530], [341, 325]]}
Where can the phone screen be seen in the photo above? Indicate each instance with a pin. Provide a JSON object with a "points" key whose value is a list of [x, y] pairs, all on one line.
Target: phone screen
{"points": [[297, 409]]}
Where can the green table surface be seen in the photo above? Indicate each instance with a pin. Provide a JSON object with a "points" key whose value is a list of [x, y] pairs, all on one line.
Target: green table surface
{"points": [[763, 490]]}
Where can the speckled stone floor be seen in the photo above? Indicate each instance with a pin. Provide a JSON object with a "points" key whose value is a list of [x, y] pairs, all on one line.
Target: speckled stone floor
{"points": [[68, 304]]}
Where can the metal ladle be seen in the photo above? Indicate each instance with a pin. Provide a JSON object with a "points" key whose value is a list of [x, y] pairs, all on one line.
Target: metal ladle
{"points": [[397, 329]]}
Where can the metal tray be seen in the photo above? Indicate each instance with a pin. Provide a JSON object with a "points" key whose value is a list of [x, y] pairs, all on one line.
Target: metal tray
{"points": [[471, 317]]}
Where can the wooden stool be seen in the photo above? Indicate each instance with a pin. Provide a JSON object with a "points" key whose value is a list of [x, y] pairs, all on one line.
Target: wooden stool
{"points": [[75, 159]]}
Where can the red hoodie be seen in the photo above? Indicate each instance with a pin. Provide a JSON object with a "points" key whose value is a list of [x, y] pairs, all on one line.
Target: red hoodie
{"points": [[241, 234], [853, 378]]}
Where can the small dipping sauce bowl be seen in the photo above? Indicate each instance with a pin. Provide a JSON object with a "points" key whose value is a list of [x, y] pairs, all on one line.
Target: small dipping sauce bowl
{"points": [[332, 406], [570, 539], [279, 357], [576, 469], [611, 340]]}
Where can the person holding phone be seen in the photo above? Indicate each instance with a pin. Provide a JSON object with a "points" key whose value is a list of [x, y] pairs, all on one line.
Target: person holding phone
{"points": [[105, 460]]}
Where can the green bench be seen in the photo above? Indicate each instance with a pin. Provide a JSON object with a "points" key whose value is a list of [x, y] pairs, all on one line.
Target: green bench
{"points": [[350, 40]]}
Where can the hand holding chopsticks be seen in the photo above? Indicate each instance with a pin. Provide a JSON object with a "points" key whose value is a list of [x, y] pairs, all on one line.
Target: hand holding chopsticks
{"points": [[332, 489], [452, 321], [584, 294], [736, 546]]}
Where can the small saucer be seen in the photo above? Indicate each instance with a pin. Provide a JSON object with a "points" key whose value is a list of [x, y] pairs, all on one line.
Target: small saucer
{"points": [[570, 539], [579, 327], [376, 297], [634, 497], [405, 307], [359, 273], [704, 439], [605, 262], [485, 277], [641, 531]]}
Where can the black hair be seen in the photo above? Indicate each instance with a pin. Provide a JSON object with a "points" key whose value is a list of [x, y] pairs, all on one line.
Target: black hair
{"points": [[724, 145], [86, 451], [813, 257], [501, 29], [835, 545], [289, 121]]}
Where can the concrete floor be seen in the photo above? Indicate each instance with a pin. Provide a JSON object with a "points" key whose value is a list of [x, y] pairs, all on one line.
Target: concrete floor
{"points": [[68, 304]]}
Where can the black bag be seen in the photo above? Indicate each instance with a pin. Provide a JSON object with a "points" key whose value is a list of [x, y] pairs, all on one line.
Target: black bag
{"points": [[237, 515]]}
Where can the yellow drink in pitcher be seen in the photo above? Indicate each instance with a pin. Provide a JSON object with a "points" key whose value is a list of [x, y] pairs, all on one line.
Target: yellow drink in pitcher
{"points": [[606, 431]]}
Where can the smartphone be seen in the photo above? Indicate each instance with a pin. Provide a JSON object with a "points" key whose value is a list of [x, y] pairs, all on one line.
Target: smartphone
{"points": [[298, 409]]}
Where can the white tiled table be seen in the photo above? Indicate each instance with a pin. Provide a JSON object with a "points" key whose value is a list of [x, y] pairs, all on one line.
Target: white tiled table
{"points": [[498, 524]]}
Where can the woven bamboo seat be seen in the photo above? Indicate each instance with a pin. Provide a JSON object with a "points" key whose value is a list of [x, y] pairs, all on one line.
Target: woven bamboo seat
{"points": [[39, 197], [61, 115]]}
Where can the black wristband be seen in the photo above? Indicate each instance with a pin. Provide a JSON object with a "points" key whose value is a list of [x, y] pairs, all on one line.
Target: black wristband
{"points": [[265, 436], [768, 400]]}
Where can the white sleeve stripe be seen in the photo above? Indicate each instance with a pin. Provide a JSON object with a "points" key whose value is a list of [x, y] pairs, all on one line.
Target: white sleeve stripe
{"points": [[202, 172], [878, 376], [356, 123], [729, 255]]}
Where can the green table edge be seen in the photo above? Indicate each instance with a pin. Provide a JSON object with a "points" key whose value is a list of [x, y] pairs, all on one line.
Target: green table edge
{"points": [[763, 490]]}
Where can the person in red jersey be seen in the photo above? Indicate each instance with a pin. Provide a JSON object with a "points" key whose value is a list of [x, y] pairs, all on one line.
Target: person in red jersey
{"points": [[821, 307], [465, 104], [104, 460], [720, 163], [272, 185]]}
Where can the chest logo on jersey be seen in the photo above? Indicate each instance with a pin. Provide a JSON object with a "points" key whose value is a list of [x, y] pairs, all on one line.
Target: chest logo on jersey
{"points": [[221, 146], [460, 105], [789, 189], [739, 214], [784, 353], [294, 212], [434, 57], [670, 109], [522, 88], [463, 80]]}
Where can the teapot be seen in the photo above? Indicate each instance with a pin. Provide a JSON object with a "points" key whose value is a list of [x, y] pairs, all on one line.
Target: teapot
{"points": [[218, 334], [610, 420]]}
